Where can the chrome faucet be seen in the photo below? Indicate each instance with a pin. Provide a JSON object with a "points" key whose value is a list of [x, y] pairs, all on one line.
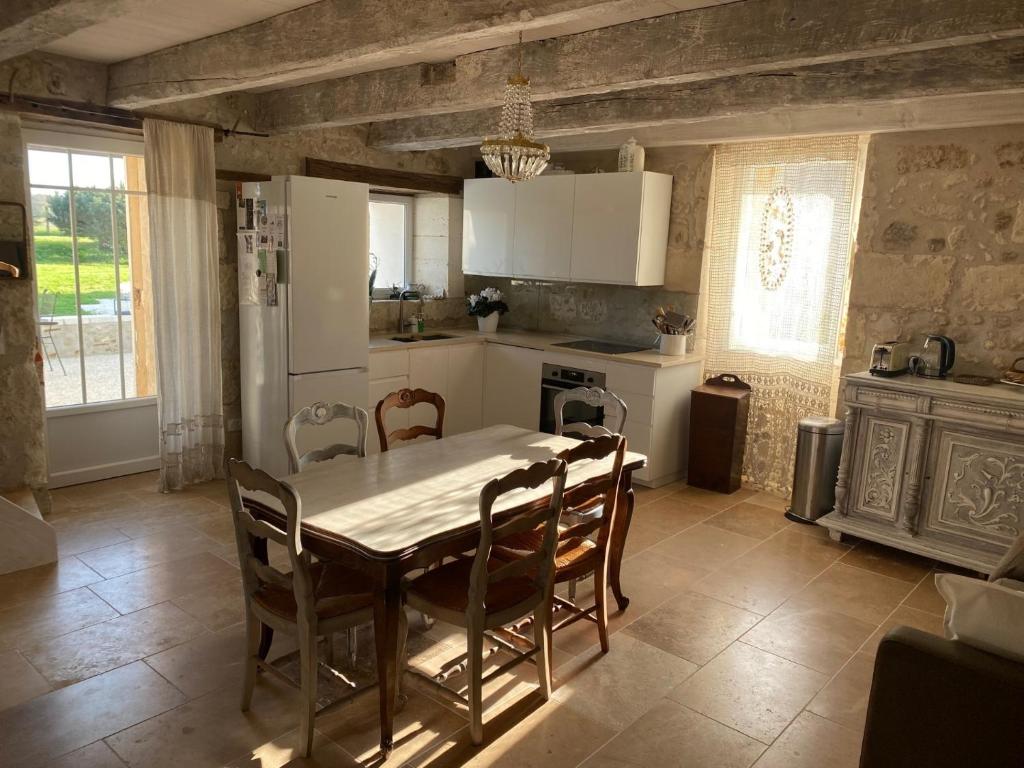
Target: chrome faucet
{"points": [[407, 294]]}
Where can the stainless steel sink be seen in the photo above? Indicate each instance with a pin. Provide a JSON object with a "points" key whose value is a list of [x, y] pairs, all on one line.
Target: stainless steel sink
{"points": [[424, 337]]}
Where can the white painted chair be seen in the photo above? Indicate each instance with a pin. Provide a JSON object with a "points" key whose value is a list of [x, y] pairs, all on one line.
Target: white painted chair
{"points": [[614, 416], [318, 415], [614, 412]]}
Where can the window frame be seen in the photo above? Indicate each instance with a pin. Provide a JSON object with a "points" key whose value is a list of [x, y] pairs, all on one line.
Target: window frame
{"points": [[103, 143], [381, 293]]}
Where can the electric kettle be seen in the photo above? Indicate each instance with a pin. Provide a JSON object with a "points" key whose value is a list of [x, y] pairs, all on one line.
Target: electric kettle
{"points": [[936, 358]]}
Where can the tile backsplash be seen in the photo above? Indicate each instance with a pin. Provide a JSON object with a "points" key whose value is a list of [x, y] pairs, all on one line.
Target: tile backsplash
{"points": [[613, 312], [437, 313]]}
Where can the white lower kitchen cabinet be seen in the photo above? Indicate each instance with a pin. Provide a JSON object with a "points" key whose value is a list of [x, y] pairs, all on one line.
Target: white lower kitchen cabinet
{"points": [[465, 388], [511, 386], [658, 423]]}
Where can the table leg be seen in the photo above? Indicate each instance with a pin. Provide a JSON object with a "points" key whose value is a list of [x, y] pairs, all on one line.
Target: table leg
{"points": [[386, 628], [624, 516]]}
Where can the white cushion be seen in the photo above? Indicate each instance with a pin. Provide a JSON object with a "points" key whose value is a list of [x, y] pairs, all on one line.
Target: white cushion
{"points": [[987, 615]]}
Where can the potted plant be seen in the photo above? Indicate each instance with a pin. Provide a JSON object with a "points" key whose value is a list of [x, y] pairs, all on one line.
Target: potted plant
{"points": [[487, 306]]}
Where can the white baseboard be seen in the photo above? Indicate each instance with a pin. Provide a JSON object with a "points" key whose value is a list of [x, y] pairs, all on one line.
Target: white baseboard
{"points": [[103, 471]]}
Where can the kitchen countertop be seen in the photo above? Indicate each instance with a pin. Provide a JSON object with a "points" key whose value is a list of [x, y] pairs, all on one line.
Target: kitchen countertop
{"points": [[544, 342]]}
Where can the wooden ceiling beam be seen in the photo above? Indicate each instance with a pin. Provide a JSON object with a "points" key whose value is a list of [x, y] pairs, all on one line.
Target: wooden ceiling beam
{"points": [[985, 68], [734, 39], [333, 38]]}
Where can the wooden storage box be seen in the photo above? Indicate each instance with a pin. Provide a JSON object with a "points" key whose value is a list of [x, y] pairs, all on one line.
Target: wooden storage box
{"points": [[718, 433]]}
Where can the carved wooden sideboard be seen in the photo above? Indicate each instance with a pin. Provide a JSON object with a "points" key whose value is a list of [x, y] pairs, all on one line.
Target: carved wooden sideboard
{"points": [[932, 467]]}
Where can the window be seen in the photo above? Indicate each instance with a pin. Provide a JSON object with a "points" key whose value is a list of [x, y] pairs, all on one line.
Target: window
{"points": [[390, 242], [780, 233], [785, 320], [90, 235]]}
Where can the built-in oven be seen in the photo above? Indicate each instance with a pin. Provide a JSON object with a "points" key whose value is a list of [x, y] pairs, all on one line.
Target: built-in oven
{"points": [[558, 378]]}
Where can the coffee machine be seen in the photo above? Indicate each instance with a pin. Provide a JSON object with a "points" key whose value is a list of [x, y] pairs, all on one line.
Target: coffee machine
{"points": [[936, 358]]}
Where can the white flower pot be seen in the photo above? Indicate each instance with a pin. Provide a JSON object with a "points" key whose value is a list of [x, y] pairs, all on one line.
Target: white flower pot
{"points": [[488, 324], [672, 345]]}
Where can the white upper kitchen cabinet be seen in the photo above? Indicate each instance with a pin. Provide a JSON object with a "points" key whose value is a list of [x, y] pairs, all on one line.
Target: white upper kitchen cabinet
{"points": [[620, 228], [588, 228], [542, 240], [488, 225]]}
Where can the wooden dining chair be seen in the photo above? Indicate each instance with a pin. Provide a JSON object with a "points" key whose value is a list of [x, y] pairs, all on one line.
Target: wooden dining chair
{"points": [[485, 593], [312, 600], [614, 412], [580, 552], [320, 414], [407, 398]]}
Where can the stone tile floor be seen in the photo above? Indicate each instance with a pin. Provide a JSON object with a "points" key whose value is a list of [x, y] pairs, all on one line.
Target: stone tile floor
{"points": [[749, 641]]}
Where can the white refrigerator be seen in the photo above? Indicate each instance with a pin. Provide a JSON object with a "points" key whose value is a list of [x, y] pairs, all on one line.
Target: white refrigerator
{"points": [[303, 309]]}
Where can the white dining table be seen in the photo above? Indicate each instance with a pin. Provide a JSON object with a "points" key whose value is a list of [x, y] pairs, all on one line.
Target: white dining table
{"points": [[399, 510]]}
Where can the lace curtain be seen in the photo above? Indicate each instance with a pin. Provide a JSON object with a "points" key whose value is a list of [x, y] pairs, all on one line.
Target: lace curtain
{"points": [[781, 230], [181, 182]]}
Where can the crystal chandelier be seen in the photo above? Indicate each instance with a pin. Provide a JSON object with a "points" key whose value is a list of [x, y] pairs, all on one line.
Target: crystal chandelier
{"points": [[514, 155]]}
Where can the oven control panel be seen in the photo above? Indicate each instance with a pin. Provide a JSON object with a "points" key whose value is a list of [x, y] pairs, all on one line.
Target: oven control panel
{"points": [[571, 377]]}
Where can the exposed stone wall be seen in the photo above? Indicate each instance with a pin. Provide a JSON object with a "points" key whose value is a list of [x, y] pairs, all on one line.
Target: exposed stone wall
{"points": [[22, 445], [437, 313], [437, 244], [618, 312], [940, 247], [230, 360]]}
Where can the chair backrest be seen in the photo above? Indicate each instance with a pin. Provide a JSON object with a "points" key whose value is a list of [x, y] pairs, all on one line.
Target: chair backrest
{"points": [[319, 414], [407, 398], [252, 534], [613, 405], [602, 490], [538, 565], [47, 304]]}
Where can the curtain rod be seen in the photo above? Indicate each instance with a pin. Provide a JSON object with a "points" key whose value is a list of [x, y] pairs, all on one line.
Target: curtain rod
{"points": [[96, 114]]}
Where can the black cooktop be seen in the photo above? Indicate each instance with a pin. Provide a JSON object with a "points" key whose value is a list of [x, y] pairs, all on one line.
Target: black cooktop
{"points": [[603, 347]]}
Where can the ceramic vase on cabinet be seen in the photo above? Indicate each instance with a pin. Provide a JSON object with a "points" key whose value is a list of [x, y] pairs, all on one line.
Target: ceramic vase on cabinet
{"points": [[631, 157], [488, 324]]}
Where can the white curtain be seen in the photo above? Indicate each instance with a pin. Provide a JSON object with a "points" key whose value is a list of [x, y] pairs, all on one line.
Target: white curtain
{"points": [[181, 182], [781, 229]]}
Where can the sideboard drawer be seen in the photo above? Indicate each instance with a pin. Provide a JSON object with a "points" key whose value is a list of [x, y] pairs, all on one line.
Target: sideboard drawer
{"points": [[890, 400]]}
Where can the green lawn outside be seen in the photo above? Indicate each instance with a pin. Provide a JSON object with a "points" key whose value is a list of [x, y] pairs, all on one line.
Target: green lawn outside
{"points": [[56, 271]]}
